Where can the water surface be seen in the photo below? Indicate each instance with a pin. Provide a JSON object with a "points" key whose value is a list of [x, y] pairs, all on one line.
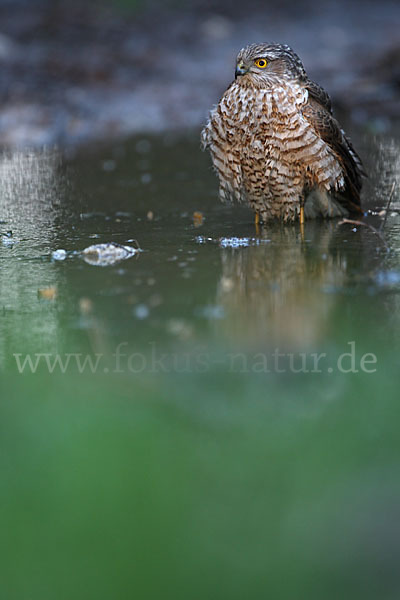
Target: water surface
{"points": [[230, 401]]}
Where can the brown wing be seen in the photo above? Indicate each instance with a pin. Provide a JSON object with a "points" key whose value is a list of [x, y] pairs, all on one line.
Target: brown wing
{"points": [[317, 111], [319, 94]]}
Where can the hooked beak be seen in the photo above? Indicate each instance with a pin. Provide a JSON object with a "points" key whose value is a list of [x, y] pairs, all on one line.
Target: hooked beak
{"points": [[241, 69]]}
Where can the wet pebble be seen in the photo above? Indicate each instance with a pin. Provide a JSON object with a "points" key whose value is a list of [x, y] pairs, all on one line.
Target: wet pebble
{"points": [[103, 255]]}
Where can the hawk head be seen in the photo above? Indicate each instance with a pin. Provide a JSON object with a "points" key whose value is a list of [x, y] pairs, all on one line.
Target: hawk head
{"points": [[269, 63]]}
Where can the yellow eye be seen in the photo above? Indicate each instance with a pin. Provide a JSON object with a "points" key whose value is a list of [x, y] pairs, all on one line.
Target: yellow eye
{"points": [[260, 62]]}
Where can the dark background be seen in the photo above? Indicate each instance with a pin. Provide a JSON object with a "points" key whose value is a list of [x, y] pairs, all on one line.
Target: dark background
{"points": [[73, 72]]}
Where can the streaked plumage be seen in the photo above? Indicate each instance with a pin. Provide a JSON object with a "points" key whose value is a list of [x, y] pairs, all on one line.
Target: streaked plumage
{"points": [[275, 144]]}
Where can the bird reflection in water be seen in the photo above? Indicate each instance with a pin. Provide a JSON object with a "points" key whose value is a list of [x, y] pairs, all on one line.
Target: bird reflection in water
{"points": [[281, 290]]}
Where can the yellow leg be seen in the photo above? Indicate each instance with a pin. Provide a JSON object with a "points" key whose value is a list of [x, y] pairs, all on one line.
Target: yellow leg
{"points": [[257, 223], [301, 220]]}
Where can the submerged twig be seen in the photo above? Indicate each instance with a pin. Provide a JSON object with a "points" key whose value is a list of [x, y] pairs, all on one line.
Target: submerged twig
{"points": [[382, 227], [371, 227]]}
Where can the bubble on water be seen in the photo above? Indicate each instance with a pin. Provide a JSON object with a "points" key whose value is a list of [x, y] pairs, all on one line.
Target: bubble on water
{"points": [[59, 254], [330, 289], [200, 239], [143, 146], [146, 178], [234, 242], [237, 242], [7, 241], [387, 278], [227, 284], [92, 215], [155, 300], [179, 328], [109, 165], [143, 165], [141, 311], [211, 312]]}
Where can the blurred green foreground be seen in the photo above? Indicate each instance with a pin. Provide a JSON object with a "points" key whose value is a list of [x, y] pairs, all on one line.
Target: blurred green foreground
{"points": [[189, 489]]}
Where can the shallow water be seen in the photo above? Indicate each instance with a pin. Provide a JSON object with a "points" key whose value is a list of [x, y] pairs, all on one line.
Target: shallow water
{"points": [[233, 385]]}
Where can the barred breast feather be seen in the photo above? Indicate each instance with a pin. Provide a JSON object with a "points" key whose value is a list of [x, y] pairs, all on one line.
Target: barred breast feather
{"points": [[276, 146]]}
